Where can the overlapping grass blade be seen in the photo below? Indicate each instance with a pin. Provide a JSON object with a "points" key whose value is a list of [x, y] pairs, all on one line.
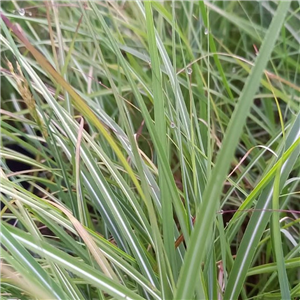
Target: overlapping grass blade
{"points": [[203, 227]]}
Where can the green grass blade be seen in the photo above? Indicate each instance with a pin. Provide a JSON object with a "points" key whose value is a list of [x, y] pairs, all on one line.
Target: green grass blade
{"points": [[160, 126], [277, 241]]}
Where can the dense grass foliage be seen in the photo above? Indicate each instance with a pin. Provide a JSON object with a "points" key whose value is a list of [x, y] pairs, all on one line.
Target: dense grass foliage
{"points": [[150, 150]]}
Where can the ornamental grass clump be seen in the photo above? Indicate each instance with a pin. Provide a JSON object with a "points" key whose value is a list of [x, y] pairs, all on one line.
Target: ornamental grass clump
{"points": [[150, 150]]}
